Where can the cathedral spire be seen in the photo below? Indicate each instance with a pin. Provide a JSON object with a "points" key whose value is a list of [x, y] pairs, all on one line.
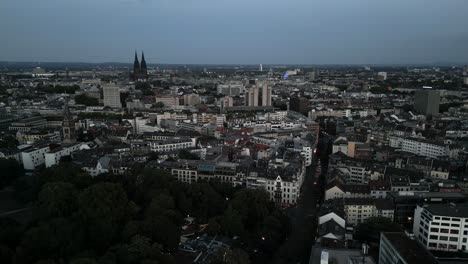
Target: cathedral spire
{"points": [[143, 68], [136, 64]]}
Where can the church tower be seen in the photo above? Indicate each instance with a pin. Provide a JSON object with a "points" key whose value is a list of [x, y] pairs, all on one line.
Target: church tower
{"points": [[68, 126], [136, 66], [143, 68]]}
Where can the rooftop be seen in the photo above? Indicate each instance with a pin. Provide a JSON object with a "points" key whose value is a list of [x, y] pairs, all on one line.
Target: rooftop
{"points": [[454, 210], [409, 249]]}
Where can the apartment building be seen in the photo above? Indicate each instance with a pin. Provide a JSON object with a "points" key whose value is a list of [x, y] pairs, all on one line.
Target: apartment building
{"points": [[442, 227], [357, 210], [172, 144], [53, 157], [430, 149], [34, 156]]}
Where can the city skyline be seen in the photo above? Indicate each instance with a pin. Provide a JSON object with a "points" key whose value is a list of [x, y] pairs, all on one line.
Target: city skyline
{"points": [[227, 32]]}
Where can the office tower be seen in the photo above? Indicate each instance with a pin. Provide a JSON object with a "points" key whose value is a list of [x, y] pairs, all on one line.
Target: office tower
{"points": [[426, 101], [68, 125], [382, 75], [299, 104], [112, 96], [226, 101], [260, 68], [258, 95]]}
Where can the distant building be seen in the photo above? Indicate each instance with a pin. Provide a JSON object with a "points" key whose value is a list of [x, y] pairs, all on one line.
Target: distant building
{"points": [[112, 96], [299, 104], [140, 70], [382, 75], [230, 89], [258, 95], [28, 124], [68, 126], [426, 101], [168, 100], [260, 68], [399, 248]]}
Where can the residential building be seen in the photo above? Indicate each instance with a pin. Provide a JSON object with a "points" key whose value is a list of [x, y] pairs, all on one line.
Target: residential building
{"points": [[111, 96], [53, 157], [426, 101], [357, 210], [34, 156], [442, 227]]}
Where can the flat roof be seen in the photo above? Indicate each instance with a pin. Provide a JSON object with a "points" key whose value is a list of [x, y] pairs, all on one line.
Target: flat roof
{"points": [[409, 249], [453, 210]]}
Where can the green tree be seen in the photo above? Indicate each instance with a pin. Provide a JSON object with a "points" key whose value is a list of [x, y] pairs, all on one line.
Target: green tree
{"points": [[10, 232], [232, 256], [57, 199], [66, 172], [11, 170], [371, 228], [86, 100], [104, 209], [231, 223]]}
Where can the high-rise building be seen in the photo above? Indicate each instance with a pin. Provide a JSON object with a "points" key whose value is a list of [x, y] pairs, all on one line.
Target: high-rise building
{"points": [[426, 101], [260, 68], [112, 96], [299, 104], [258, 95], [226, 101], [382, 75], [68, 126]]}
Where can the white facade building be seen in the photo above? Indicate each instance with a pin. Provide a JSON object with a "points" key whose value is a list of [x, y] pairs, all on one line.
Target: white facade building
{"points": [[172, 144], [112, 96], [53, 157], [419, 147], [35, 156], [442, 227]]}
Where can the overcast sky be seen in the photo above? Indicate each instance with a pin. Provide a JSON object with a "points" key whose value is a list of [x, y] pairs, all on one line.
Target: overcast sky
{"points": [[235, 31]]}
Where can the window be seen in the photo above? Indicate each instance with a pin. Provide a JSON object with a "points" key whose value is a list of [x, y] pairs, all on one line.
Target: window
{"points": [[433, 237], [443, 230], [443, 238], [434, 229], [454, 239], [453, 231]]}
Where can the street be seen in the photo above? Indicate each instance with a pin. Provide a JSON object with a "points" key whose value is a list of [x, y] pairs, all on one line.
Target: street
{"points": [[296, 248]]}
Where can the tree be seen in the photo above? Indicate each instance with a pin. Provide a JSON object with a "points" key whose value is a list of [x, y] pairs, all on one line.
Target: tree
{"points": [[66, 172], [11, 170], [185, 154], [86, 100], [10, 232], [232, 223], [56, 238], [104, 209], [232, 256], [159, 105], [83, 261], [57, 199]]}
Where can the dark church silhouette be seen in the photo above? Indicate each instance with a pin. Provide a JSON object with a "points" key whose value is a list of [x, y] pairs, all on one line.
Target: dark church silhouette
{"points": [[140, 71]]}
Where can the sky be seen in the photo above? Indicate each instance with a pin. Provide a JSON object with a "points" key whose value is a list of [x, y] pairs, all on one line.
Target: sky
{"points": [[235, 31]]}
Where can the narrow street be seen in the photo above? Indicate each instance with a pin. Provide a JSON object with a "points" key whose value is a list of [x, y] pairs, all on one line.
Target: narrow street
{"points": [[296, 248]]}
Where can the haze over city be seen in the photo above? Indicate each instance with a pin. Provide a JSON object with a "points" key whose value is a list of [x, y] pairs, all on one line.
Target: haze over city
{"points": [[236, 32]]}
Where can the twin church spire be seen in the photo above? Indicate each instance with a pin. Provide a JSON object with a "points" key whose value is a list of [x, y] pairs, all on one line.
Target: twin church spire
{"points": [[140, 71]]}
